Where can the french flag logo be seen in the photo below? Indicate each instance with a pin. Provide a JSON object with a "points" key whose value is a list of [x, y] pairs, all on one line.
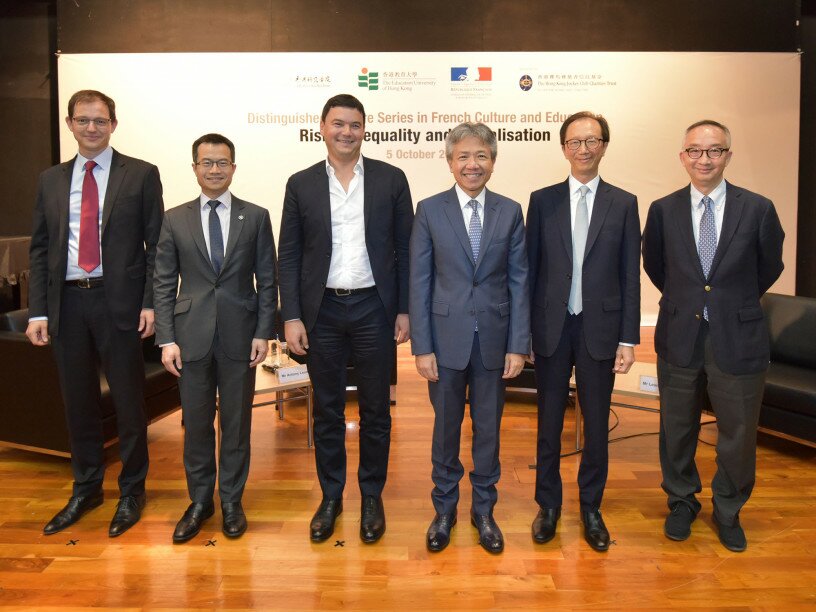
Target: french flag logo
{"points": [[472, 74]]}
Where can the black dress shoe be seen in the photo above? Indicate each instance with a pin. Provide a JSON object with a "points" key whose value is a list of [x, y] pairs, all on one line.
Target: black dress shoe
{"points": [[438, 536], [128, 512], [731, 536], [544, 524], [190, 524], [678, 524], [490, 536], [595, 532], [73, 511], [235, 523], [322, 526], [372, 519]]}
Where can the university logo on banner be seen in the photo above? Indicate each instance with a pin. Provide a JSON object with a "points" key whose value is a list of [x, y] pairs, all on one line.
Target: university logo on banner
{"points": [[471, 74], [369, 80]]}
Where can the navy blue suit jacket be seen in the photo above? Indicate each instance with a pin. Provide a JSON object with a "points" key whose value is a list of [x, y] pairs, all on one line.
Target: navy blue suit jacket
{"points": [[611, 270], [748, 260]]}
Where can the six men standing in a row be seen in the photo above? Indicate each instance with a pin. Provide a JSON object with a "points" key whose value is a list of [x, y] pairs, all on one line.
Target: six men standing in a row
{"points": [[358, 273]]}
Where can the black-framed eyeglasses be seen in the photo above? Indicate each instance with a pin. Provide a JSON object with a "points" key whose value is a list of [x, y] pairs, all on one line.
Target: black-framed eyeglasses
{"points": [[591, 143], [209, 163], [713, 153], [85, 122]]}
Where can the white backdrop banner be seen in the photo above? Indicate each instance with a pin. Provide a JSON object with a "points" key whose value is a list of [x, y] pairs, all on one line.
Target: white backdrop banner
{"points": [[269, 105]]}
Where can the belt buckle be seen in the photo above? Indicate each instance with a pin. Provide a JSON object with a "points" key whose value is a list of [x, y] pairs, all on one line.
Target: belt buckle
{"points": [[84, 283], [342, 292]]}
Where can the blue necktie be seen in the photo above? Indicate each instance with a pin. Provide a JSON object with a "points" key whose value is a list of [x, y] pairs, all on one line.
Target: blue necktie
{"points": [[475, 229], [216, 238], [579, 238], [707, 241]]}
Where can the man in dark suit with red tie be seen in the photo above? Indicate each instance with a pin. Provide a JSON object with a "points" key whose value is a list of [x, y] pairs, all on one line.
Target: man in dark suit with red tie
{"points": [[343, 263], [712, 249], [96, 224], [583, 243]]}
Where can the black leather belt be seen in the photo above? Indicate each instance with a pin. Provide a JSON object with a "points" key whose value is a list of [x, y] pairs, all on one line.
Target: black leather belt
{"points": [[346, 292], [85, 283]]}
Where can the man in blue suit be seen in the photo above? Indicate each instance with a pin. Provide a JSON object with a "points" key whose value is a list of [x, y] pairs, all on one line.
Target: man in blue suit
{"points": [[470, 322]]}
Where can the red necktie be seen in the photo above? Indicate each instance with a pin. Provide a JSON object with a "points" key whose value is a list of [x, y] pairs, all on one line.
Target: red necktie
{"points": [[89, 221]]}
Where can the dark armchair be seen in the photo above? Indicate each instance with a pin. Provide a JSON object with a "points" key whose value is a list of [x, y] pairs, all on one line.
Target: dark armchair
{"points": [[31, 408]]}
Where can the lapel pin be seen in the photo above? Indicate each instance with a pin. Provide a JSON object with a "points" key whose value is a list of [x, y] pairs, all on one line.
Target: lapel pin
{"points": [[240, 217]]}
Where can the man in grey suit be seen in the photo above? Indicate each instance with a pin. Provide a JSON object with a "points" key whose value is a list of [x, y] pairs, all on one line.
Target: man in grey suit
{"points": [[470, 322], [214, 328], [96, 224], [712, 249]]}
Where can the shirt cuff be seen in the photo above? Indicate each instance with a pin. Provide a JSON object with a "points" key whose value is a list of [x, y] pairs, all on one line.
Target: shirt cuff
{"points": [[626, 344], [30, 319]]}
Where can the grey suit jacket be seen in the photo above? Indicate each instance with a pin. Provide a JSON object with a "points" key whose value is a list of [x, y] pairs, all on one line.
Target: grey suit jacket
{"points": [[131, 220], [239, 302], [748, 260], [450, 292], [611, 269]]}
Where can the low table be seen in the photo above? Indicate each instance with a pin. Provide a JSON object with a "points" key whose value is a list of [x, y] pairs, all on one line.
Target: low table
{"points": [[267, 382]]}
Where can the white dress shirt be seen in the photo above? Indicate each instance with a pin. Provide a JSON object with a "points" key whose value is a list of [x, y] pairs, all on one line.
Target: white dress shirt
{"points": [[717, 196], [350, 267], [101, 173]]}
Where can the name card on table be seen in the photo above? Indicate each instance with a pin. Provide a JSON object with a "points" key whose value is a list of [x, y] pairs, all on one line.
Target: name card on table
{"points": [[293, 373]]}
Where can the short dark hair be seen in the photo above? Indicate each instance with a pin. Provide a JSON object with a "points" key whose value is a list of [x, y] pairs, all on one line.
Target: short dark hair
{"points": [[345, 101], [712, 123], [475, 130], [89, 95], [585, 115], [213, 139]]}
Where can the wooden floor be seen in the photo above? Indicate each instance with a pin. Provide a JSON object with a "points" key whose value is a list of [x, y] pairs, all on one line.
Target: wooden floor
{"points": [[274, 566]]}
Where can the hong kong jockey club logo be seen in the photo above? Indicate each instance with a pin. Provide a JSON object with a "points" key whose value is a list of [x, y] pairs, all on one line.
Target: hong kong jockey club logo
{"points": [[526, 82]]}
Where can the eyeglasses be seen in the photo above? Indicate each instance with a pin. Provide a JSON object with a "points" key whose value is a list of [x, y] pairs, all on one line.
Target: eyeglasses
{"points": [[209, 163], [84, 122], [592, 143], [714, 153]]}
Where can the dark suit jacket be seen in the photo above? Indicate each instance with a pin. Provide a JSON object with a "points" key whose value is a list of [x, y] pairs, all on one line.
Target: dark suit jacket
{"points": [[611, 272], [239, 302], [306, 239], [746, 263], [131, 221], [450, 292]]}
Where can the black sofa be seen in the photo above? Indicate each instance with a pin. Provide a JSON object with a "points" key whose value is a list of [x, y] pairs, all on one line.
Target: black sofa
{"points": [[789, 402], [31, 408]]}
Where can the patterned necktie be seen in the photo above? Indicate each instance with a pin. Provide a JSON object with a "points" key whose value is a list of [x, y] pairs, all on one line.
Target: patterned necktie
{"points": [[579, 238], [707, 241], [475, 229], [216, 238], [89, 221]]}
